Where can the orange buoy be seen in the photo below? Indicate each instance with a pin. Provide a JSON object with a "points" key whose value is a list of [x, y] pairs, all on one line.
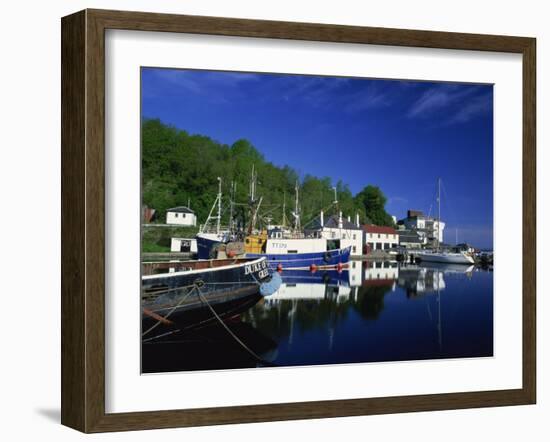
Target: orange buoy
{"points": [[339, 267], [279, 267], [231, 254], [313, 268]]}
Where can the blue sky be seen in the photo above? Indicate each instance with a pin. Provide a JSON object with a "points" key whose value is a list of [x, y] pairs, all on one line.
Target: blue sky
{"points": [[399, 135]]}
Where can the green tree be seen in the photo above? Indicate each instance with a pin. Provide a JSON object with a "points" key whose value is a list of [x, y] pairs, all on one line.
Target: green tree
{"points": [[373, 201], [178, 166]]}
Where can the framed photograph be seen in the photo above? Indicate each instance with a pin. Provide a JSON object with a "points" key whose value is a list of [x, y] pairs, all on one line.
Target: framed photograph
{"points": [[269, 220]]}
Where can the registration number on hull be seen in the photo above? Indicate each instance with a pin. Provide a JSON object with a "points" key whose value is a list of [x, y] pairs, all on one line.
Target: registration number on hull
{"points": [[258, 267]]}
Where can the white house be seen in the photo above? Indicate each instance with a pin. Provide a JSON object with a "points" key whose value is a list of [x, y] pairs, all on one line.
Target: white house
{"points": [[186, 245], [182, 216], [380, 238], [341, 230]]}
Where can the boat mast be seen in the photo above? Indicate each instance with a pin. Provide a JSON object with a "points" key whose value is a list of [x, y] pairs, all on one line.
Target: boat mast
{"points": [[253, 208], [284, 209], [219, 205], [218, 202], [297, 208], [231, 204]]}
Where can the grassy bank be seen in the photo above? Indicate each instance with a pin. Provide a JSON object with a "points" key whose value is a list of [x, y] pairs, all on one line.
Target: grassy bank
{"points": [[157, 238]]}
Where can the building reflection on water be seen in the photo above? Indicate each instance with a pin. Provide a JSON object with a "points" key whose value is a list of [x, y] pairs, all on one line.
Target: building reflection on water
{"points": [[318, 303]]}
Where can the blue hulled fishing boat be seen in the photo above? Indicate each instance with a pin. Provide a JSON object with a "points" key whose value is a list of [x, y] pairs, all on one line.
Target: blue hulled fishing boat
{"points": [[321, 259]]}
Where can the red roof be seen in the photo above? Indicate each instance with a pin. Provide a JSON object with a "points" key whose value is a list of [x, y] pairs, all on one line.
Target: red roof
{"points": [[371, 228]]}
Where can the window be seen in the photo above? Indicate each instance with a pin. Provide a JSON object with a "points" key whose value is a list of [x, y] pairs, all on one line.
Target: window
{"points": [[176, 214], [354, 249], [354, 236], [183, 215]]}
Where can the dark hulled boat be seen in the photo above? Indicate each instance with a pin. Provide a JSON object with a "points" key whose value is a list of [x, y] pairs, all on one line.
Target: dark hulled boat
{"points": [[183, 299]]}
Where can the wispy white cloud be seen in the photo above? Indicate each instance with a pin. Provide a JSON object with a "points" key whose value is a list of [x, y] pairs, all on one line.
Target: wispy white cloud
{"points": [[476, 106], [203, 83], [370, 97], [334, 93], [460, 103], [179, 78]]}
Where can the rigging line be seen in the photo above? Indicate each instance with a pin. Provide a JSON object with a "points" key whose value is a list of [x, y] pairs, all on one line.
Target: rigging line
{"points": [[448, 206], [434, 198], [224, 325], [167, 290], [325, 209]]}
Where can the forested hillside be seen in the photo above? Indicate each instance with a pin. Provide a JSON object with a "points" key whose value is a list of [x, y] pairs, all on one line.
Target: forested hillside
{"points": [[177, 166]]}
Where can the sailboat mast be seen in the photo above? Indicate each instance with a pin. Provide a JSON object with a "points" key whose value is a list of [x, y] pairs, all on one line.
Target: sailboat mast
{"points": [[438, 209]]}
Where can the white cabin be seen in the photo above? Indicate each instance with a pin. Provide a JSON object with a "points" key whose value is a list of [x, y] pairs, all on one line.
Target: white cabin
{"points": [[301, 245], [185, 245], [182, 216]]}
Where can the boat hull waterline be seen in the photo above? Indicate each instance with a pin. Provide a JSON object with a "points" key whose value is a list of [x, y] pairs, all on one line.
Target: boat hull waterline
{"points": [[447, 258], [328, 259]]}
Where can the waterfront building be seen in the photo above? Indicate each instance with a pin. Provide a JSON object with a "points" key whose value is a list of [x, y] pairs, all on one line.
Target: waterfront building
{"points": [[182, 216], [411, 239], [427, 226], [338, 228], [379, 238]]}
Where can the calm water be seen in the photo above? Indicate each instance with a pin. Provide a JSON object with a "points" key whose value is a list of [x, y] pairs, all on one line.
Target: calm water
{"points": [[373, 312]]}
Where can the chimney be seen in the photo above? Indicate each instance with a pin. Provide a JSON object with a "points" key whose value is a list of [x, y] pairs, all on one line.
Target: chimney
{"points": [[322, 219], [340, 222], [357, 219]]}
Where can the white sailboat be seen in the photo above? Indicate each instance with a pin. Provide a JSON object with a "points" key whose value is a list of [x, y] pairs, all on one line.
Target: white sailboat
{"points": [[438, 255]]}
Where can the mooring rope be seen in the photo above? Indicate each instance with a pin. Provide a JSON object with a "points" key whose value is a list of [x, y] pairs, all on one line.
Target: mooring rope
{"points": [[224, 325], [165, 318]]}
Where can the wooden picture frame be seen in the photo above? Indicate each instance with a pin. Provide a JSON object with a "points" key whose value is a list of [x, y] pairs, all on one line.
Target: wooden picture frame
{"points": [[83, 217]]}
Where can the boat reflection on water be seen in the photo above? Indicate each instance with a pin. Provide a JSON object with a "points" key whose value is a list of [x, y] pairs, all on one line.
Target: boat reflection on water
{"points": [[428, 277], [370, 312]]}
